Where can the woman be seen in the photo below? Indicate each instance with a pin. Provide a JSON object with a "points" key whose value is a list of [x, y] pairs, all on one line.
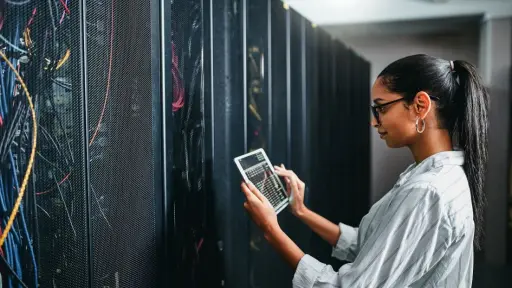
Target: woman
{"points": [[422, 232]]}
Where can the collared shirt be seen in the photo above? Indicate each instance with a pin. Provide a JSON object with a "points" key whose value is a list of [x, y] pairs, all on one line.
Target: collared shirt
{"points": [[420, 234]]}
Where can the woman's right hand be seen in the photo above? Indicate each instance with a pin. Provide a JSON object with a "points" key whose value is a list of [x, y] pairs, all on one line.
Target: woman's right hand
{"points": [[295, 189]]}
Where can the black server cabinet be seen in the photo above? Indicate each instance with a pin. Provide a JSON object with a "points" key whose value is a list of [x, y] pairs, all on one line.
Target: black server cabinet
{"points": [[279, 86], [192, 245], [124, 137], [299, 81], [260, 130], [94, 205], [320, 190], [225, 138]]}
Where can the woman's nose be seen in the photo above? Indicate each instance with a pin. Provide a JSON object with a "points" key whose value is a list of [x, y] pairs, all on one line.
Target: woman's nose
{"points": [[373, 121]]}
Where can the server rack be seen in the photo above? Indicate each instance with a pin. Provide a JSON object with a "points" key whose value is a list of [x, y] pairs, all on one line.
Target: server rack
{"points": [[225, 113], [320, 178], [93, 206], [135, 185]]}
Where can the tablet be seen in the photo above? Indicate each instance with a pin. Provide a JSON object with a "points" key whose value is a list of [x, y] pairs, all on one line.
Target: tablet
{"points": [[257, 169]]}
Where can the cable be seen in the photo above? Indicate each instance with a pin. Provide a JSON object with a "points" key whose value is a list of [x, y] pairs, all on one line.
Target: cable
{"points": [[24, 223], [9, 269], [63, 60], [59, 183], [32, 17], [109, 75], [12, 45], [17, 3], [32, 153], [63, 14], [66, 9]]}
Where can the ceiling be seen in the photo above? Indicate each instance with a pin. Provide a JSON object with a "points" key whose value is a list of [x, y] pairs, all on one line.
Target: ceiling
{"points": [[452, 25], [337, 12]]}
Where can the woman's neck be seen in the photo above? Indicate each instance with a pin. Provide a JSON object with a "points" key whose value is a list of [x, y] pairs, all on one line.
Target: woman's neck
{"points": [[431, 142]]}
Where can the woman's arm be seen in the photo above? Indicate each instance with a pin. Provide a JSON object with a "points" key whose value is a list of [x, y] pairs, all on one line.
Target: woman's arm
{"points": [[295, 187], [264, 216], [290, 252], [329, 231]]}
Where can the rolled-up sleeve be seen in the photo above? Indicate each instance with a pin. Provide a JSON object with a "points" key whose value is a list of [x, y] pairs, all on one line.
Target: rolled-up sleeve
{"points": [[346, 248], [408, 240]]}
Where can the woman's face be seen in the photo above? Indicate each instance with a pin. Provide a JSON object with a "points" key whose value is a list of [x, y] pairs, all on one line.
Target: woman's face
{"points": [[397, 121]]}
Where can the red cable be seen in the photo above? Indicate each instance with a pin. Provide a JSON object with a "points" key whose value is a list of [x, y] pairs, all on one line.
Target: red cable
{"points": [[50, 190], [178, 91], [108, 76], [32, 17], [65, 6]]}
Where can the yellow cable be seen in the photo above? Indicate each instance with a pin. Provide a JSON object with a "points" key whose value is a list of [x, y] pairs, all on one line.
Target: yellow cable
{"points": [[28, 40], [63, 60], [32, 153]]}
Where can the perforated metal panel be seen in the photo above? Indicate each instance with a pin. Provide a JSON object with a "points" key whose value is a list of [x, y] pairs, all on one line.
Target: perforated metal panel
{"points": [[123, 163], [191, 244], [54, 205]]}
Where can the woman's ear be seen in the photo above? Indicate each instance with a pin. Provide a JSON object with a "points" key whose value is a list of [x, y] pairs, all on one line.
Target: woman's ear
{"points": [[422, 104]]}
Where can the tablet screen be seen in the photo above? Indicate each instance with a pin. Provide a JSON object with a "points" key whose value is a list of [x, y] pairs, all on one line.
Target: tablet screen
{"points": [[256, 168]]}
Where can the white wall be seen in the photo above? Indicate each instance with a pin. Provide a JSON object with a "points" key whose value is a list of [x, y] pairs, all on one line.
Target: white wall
{"points": [[388, 163]]}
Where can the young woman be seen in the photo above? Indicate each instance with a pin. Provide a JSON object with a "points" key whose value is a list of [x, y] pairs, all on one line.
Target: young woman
{"points": [[422, 232]]}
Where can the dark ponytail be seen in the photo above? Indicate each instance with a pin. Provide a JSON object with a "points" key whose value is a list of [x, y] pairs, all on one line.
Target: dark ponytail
{"points": [[471, 134], [462, 109]]}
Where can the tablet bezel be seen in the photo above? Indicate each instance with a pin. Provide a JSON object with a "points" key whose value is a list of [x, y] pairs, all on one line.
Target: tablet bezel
{"points": [[278, 208]]}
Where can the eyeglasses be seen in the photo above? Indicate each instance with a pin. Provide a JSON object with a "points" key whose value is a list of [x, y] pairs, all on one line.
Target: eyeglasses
{"points": [[376, 109]]}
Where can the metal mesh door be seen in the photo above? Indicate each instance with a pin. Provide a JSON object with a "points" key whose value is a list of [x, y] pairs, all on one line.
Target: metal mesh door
{"points": [[123, 162]]}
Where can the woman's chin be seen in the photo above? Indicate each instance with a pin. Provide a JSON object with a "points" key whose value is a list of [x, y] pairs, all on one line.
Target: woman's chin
{"points": [[392, 144]]}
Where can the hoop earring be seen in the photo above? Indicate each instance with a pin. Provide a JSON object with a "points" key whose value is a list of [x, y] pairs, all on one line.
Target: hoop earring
{"points": [[417, 125]]}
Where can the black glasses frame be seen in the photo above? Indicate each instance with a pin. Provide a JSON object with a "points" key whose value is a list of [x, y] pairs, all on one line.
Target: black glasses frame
{"points": [[375, 107]]}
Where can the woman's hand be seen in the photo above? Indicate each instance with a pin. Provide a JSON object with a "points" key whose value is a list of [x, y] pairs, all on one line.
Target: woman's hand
{"points": [[295, 188], [261, 211]]}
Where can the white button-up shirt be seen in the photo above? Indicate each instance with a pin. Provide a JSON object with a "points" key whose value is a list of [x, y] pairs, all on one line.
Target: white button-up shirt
{"points": [[420, 234]]}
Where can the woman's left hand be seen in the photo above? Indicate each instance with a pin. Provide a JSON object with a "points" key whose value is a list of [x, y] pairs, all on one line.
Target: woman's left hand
{"points": [[260, 209]]}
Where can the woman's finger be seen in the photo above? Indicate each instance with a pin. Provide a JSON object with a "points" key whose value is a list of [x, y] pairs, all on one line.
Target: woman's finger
{"points": [[288, 188], [284, 173], [248, 193], [256, 192]]}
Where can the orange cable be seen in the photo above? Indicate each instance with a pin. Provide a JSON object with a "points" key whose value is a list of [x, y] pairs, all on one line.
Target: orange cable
{"points": [[32, 153]]}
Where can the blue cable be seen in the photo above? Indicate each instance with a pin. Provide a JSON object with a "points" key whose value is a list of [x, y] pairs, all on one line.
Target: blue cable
{"points": [[2, 199], [4, 95], [8, 253], [17, 259], [9, 185], [24, 223]]}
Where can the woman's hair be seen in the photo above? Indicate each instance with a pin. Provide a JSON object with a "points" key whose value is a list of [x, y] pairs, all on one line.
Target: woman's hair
{"points": [[462, 108]]}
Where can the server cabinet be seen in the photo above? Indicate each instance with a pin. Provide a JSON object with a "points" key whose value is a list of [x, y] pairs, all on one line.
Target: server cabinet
{"points": [[225, 126], [141, 109], [124, 129], [92, 214], [300, 79], [320, 201]]}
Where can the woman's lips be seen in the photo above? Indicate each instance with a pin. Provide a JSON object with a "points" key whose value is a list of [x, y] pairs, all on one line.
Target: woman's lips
{"points": [[382, 134]]}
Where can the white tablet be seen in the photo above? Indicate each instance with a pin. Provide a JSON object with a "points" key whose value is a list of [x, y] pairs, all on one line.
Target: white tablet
{"points": [[257, 169]]}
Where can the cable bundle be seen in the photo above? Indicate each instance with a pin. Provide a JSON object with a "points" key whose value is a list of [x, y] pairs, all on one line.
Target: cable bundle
{"points": [[29, 64]]}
